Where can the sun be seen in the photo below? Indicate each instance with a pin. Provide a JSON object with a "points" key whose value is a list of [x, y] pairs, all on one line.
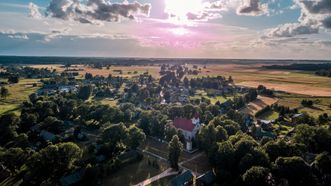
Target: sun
{"points": [[178, 10]]}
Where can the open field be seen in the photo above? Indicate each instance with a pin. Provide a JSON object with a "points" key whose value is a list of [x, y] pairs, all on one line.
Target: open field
{"points": [[58, 68], [321, 104], [250, 75], [253, 75], [136, 172], [127, 71], [258, 104], [17, 94]]}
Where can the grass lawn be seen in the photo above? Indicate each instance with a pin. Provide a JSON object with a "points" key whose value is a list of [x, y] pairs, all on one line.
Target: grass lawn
{"points": [[270, 115], [282, 129], [199, 165], [136, 172], [213, 99], [17, 94], [106, 101]]}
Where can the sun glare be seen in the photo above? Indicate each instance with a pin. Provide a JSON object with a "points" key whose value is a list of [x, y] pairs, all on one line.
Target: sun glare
{"points": [[179, 9], [179, 31]]}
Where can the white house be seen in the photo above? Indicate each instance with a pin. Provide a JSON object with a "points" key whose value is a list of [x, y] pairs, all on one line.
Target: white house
{"points": [[189, 128]]}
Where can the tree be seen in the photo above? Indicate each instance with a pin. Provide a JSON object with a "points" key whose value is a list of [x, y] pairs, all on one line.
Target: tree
{"points": [[224, 161], [307, 103], [4, 92], [230, 126], [280, 148], [170, 131], [113, 138], [186, 82], [114, 133], [295, 170], [323, 118], [144, 122], [175, 148], [88, 76], [85, 92], [305, 134], [14, 158], [52, 124], [13, 79], [230, 80], [322, 163], [317, 139], [135, 137], [256, 176], [253, 158], [209, 135], [54, 160], [8, 126]]}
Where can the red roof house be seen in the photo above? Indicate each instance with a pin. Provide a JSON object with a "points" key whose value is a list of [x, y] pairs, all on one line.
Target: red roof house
{"points": [[184, 124]]}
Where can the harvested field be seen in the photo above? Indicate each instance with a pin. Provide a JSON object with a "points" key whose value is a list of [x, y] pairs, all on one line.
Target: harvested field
{"points": [[292, 88], [127, 71], [58, 68], [253, 75], [258, 104]]}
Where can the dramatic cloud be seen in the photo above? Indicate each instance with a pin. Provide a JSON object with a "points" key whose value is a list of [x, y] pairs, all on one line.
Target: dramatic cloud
{"points": [[317, 6], [314, 15], [94, 11], [327, 22], [252, 8], [34, 11], [291, 29], [317, 12]]}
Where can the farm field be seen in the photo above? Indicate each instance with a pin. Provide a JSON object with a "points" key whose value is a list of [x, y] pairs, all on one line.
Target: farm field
{"points": [[258, 104], [321, 104], [127, 71], [253, 75], [17, 94]]}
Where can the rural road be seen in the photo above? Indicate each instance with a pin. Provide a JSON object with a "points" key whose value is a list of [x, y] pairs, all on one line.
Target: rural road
{"points": [[165, 173]]}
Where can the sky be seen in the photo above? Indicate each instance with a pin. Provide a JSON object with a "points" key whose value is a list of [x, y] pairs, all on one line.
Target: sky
{"points": [[253, 29]]}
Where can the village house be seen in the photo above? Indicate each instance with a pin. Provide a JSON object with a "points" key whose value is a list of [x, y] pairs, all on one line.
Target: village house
{"points": [[189, 128]]}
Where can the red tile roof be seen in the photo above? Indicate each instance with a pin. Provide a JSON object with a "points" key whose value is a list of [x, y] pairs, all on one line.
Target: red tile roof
{"points": [[184, 124]]}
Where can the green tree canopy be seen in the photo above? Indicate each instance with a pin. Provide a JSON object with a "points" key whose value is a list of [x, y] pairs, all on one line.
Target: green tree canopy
{"points": [[175, 149], [256, 176]]}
